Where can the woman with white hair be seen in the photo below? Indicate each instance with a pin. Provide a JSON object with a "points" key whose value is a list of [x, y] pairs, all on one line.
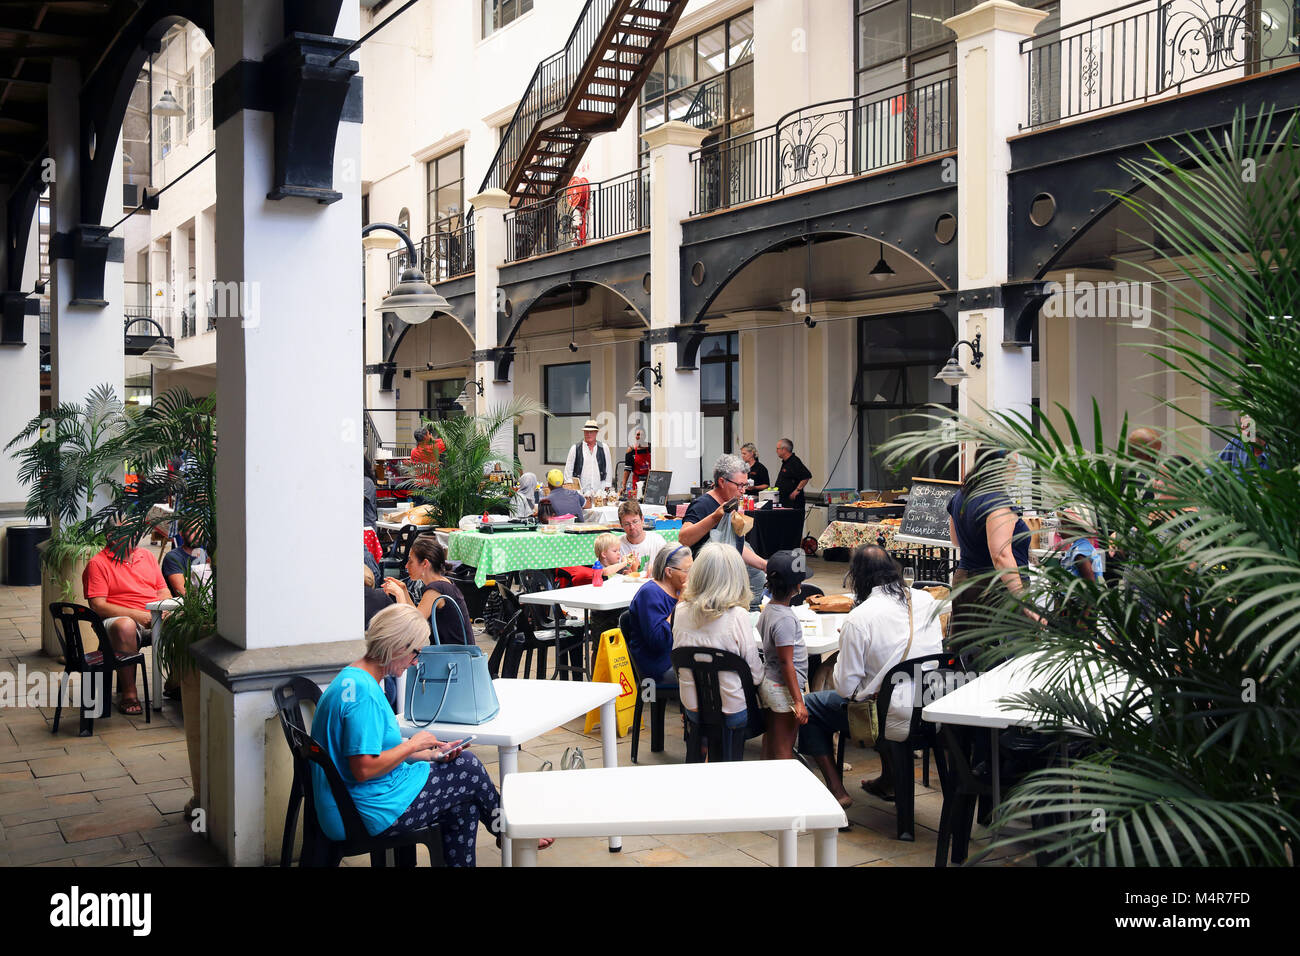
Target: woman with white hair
{"points": [[398, 785], [714, 612]]}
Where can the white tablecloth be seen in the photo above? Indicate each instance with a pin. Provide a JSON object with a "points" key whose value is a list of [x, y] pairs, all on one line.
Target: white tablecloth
{"points": [[609, 513]]}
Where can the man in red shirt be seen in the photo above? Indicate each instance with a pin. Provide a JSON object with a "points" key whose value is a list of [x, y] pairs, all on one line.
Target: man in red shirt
{"points": [[118, 591]]}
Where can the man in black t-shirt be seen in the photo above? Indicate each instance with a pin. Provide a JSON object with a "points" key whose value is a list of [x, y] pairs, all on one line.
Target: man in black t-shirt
{"points": [[792, 477]]}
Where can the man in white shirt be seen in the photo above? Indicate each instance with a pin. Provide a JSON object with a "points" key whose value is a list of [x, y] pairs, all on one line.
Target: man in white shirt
{"points": [[589, 462], [636, 540]]}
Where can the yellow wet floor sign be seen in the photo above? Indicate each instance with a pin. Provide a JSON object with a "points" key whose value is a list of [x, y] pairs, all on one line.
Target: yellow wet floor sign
{"points": [[614, 666]]}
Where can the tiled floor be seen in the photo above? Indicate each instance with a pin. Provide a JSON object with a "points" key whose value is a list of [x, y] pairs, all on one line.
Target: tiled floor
{"points": [[116, 799]]}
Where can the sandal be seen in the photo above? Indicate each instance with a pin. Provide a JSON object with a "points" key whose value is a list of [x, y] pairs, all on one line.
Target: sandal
{"points": [[879, 788], [130, 708]]}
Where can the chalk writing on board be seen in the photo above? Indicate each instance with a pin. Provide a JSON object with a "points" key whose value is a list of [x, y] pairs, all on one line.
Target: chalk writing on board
{"points": [[926, 515]]}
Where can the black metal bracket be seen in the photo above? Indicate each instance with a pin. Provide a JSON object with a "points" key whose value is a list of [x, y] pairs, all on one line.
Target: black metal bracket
{"points": [[385, 371], [688, 338], [501, 357], [91, 248], [1019, 302], [309, 96], [14, 309]]}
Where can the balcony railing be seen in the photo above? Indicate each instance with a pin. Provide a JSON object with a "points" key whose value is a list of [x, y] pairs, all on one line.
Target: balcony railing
{"points": [[445, 253], [579, 214], [897, 124], [1148, 49]]}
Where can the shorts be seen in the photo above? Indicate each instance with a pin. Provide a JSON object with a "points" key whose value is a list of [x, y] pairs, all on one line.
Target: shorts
{"points": [[141, 632], [775, 697]]}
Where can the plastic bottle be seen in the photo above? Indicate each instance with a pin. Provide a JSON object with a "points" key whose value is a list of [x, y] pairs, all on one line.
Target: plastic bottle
{"points": [[598, 577]]}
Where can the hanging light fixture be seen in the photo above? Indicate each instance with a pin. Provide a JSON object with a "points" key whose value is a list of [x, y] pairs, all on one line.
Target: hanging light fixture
{"points": [[573, 345], [638, 392], [952, 373], [881, 270], [167, 105], [161, 355], [808, 319], [462, 400]]}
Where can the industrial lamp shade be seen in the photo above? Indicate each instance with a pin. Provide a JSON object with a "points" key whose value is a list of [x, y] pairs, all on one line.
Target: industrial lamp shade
{"points": [[882, 269], [462, 400], [952, 373], [638, 392], [413, 300], [161, 355], [167, 105]]}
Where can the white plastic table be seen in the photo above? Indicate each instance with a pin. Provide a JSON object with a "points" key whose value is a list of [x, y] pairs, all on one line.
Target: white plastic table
{"points": [[530, 708], [608, 514], [613, 595], [156, 609], [742, 796]]}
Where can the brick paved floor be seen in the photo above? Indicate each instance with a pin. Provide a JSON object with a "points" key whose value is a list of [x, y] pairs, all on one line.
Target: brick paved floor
{"points": [[116, 799]]}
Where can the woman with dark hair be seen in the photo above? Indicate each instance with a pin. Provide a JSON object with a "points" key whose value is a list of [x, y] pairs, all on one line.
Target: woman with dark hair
{"points": [[991, 536], [427, 568], [890, 623]]}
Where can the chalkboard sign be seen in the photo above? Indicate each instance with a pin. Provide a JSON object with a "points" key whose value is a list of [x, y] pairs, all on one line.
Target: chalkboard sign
{"points": [[926, 518], [656, 488]]}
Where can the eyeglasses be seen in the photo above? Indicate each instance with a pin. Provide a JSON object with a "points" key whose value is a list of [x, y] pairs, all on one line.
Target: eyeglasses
{"points": [[733, 481]]}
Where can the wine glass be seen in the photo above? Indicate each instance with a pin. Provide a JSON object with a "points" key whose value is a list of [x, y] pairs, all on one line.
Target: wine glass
{"points": [[909, 577]]}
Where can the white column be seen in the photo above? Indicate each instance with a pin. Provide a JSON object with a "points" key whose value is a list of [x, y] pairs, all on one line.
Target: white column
{"points": [[178, 276], [86, 340], [20, 386], [489, 255], [991, 102], [377, 246], [676, 425], [293, 354]]}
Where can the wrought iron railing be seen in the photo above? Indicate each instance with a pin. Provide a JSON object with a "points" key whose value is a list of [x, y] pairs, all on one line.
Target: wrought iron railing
{"points": [[445, 253], [579, 214], [897, 124], [1148, 49], [708, 108], [401, 424]]}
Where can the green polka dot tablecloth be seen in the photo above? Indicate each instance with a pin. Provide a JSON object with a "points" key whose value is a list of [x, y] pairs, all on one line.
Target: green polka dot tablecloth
{"points": [[525, 550]]}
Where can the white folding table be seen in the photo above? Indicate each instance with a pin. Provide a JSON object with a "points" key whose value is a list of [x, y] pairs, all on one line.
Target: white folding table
{"points": [[759, 795], [156, 610], [613, 595], [530, 708]]}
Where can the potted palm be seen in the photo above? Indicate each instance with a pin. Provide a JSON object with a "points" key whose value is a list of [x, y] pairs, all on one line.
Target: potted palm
{"points": [[67, 457], [463, 486], [1195, 762]]}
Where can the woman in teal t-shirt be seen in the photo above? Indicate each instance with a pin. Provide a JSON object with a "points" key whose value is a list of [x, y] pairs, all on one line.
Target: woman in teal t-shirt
{"points": [[356, 725]]}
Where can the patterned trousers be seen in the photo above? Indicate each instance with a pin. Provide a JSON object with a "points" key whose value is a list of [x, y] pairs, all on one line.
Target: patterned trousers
{"points": [[458, 794]]}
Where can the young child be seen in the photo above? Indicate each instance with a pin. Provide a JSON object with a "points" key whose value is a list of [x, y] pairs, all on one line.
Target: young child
{"points": [[1081, 558], [608, 559], [785, 657]]}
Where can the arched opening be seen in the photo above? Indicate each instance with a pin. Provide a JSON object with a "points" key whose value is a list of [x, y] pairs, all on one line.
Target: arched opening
{"points": [[434, 363]]}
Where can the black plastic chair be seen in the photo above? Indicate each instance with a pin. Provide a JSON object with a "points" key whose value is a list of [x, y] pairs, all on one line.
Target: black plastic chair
{"points": [[400, 550], [805, 592], [99, 665], [663, 693], [928, 684], [706, 664], [520, 639], [317, 849], [551, 624], [933, 564]]}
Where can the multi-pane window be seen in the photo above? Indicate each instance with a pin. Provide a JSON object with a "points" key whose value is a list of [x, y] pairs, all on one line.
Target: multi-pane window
{"points": [[902, 39], [205, 83], [445, 180], [187, 100], [164, 136], [567, 393], [719, 398], [497, 13], [706, 80], [440, 399]]}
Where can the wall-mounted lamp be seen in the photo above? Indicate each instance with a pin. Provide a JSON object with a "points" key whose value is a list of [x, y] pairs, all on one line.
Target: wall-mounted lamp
{"points": [[638, 392], [463, 398], [952, 373]]}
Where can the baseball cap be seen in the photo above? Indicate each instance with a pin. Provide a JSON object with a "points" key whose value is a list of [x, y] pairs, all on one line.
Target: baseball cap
{"points": [[790, 568], [555, 477]]}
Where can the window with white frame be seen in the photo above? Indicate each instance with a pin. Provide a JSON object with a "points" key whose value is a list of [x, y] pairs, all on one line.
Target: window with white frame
{"points": [[497, 13], [164, 135], [205, 83], [187, 100], [567, 390]]}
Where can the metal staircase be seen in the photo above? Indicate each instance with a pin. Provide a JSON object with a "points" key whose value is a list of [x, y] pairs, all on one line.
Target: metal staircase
{"points": [[585, 89]]}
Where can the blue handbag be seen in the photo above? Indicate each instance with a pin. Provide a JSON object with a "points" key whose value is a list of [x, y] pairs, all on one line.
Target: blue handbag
{"points": [[449, 683]]}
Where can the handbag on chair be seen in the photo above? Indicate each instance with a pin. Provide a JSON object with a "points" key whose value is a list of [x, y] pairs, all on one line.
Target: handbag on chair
{"points": [[449, 683], [864, 715]]}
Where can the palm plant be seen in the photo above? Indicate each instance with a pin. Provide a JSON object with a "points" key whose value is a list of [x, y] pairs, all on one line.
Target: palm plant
{"points": [[1193, 757], [462, 486], [72, 452]]}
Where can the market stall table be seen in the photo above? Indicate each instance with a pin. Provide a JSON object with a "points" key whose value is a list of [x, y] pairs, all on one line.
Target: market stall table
{"points": [[608, 514], [758, 795], [493, 554], [530, 708]]}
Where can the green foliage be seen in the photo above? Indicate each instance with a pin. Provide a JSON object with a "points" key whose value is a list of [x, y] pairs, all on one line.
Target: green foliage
{"points": [[462, 486], [1186, 675], [193, 621]]}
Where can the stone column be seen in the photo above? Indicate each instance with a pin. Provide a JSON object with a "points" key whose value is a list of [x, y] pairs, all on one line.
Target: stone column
{"points": [[178, 279], [377, 246], [86, 337], [489, 255], [204, 265], [991, 103], [676, 424], [293, 352]]}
